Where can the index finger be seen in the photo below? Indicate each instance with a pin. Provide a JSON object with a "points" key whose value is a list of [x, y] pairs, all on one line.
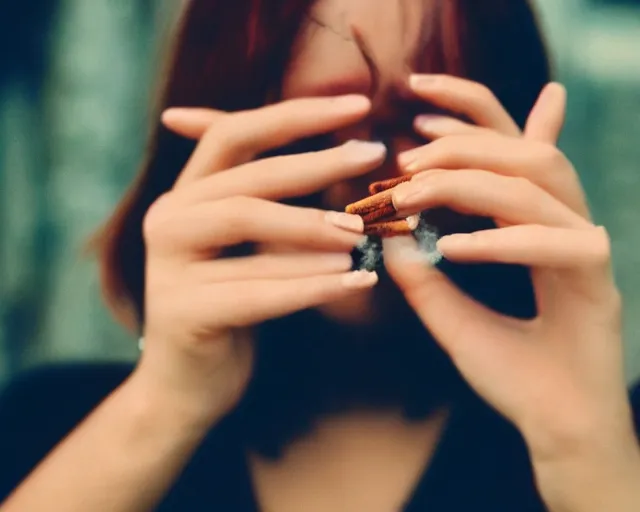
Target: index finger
{"points": [[232, 139], [468, 98]]}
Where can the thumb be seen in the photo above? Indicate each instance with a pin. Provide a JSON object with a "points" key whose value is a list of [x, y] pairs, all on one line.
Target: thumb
{"points": [[482, 344], [548, 115], [437, 301]]}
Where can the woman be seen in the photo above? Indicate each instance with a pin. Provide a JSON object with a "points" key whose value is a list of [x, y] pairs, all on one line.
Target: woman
{"points": [[274, 378]]}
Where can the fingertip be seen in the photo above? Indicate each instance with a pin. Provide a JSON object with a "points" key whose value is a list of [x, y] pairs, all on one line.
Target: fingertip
{"points": [[171, 116], [557, 88], [420, 82], [356, 103], [359, 280], [553, 93], [547, 118], [448, 245], [428, 123]]}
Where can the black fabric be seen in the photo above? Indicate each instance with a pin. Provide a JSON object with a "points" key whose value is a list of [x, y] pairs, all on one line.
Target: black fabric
{"points": [[481, 463]]}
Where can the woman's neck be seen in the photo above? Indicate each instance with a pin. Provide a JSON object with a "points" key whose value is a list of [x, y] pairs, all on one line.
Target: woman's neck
{"points": [[358, 461]]}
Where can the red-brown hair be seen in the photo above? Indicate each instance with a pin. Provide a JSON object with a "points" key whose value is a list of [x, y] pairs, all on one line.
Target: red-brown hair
{"points": [[228, 55]]}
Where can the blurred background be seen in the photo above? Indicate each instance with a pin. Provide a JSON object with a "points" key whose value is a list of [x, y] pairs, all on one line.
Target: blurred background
{"points": [[75, 83]]}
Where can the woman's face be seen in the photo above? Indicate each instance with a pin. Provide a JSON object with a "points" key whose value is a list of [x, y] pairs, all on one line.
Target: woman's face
{"points": [[367, 47]]}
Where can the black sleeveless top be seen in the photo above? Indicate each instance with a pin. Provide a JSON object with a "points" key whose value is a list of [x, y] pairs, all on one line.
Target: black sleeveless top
{"points": [[481, 463]]}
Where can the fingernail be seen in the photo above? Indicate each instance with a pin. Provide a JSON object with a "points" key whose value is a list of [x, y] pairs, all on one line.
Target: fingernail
{"points": [[352, 102], [417, 81], [451, 243], [172, 114], [365, 151], [360, 279], [345, 221], [426, 121], [404, 194]]}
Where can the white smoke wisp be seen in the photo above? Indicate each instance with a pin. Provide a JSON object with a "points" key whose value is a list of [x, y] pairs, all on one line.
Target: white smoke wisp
{"points": [[427, 237], [370, 254]]}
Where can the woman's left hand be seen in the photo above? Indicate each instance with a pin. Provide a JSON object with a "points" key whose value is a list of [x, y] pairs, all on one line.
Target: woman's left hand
{"points": [[559, 377]]}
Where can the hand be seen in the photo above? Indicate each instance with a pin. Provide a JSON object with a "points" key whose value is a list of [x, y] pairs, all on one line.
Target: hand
{"points": [[197, 301], [558, 378]]}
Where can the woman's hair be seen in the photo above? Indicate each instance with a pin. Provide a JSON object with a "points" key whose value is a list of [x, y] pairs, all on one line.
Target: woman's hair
{"points": [[229, 55]]}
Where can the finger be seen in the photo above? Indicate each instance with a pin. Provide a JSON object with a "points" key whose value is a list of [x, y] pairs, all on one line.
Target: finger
{"points": [[191, 123], [465, 97], [458, 323], [291, 175], [580, 260], [530, 245], [204, 227], [433, 127], [539, 163], [272, 266], [548, 115], [236, 138], [440, 304], [509, 200], [244, 303]]}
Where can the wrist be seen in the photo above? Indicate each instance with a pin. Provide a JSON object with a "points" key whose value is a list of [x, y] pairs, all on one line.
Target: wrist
{"points": [[151, 399], [203, 382], [580, 433], [604, 478]]}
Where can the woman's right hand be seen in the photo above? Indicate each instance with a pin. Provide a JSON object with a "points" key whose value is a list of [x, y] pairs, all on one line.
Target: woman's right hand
{"points": [[197, 302]]}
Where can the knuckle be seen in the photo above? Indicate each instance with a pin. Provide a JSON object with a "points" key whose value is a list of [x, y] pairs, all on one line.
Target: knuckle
{"points": [[217, 127], [481, 94], [611, 302], [233, 212], [520, 185], [437, 185], [224, 131], [155, 219], [617, 301], [601, 247], [552, 158], [224, 138], [443, 148]]}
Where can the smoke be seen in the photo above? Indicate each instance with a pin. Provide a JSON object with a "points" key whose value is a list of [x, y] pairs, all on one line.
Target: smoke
{"points": [[427, 237], [369, 255]]}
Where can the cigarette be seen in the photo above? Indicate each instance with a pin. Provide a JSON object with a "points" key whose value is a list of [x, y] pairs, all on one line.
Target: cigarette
{"points": [[373, 208], [392, 228], [381, 186]]}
